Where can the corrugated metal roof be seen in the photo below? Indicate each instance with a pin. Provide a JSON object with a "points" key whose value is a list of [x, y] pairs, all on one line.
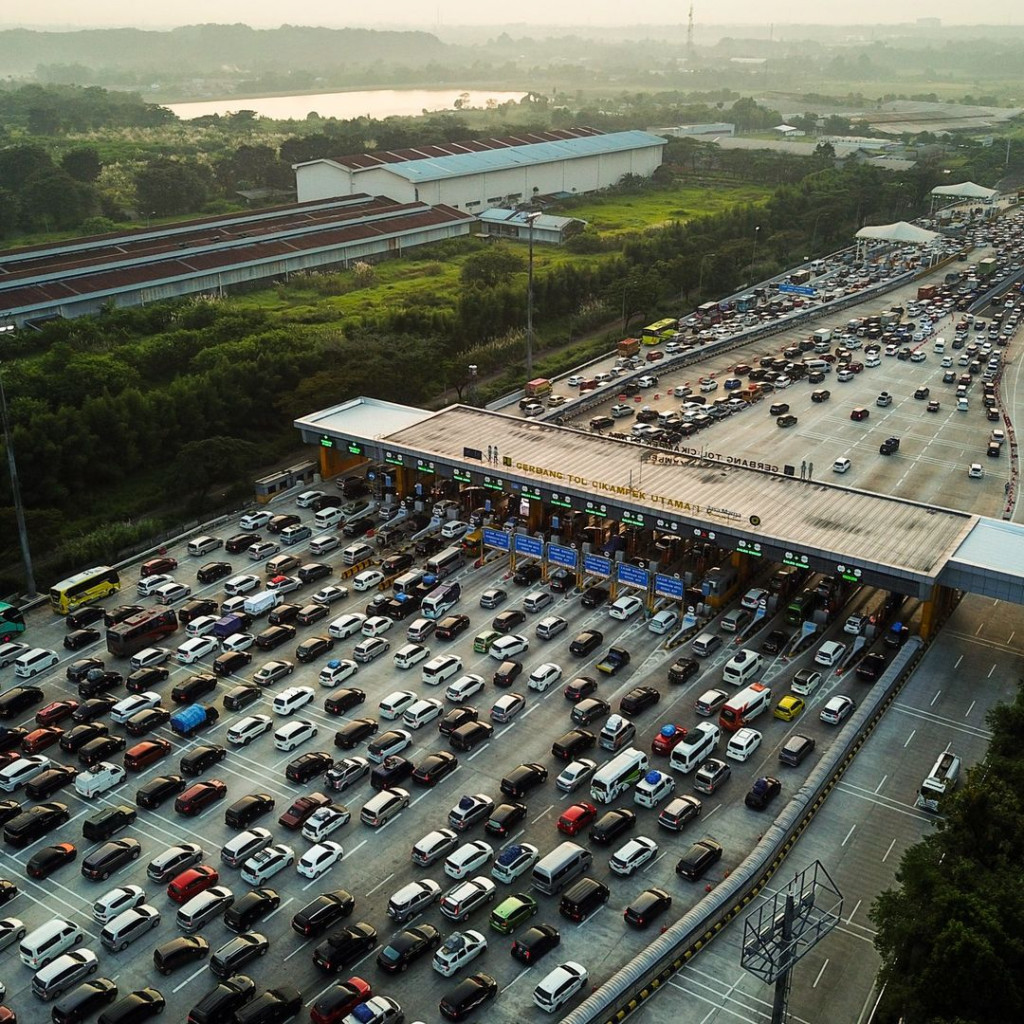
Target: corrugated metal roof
{"points": [[458, 165], [544, 221]]}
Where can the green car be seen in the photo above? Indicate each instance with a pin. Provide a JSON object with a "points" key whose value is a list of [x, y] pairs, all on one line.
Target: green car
{"points": [[513, 911], [482, 641]]}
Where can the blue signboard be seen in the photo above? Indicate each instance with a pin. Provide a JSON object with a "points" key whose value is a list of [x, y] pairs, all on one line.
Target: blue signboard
{"points": [[797, 289], [595, 565], [533, 547], [567, 557], [495, 539], [668, 586], [631, 576]]}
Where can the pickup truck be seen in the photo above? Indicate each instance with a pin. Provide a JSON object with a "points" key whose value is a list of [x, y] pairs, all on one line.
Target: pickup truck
{"points": [[615, 659], [191, 719]]}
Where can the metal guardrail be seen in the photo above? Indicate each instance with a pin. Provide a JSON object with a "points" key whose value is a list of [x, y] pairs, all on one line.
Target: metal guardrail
{"points": [[643, 976]]}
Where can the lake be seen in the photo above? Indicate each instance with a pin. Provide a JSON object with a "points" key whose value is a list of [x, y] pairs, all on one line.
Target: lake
{"points": [[375, 103]]}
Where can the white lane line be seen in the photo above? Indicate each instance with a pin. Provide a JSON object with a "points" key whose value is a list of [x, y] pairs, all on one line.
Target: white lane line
{"points": [[913, 732], [542, 813], [525, 970], [195, 974], [478, 752], [383, 881], [846, 838], [299, 949], [820, 973], [887, 852], [881, 783], [931, 703], [849, 920], [348, 853], [990, 671], [970, 708], [291, 899]]}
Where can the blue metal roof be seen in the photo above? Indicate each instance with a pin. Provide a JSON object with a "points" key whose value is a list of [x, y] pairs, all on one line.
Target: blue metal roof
{"points": [[459, 164]]}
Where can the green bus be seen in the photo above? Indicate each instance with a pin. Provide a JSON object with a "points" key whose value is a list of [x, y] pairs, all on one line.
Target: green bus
{"points": [[12, 622]]}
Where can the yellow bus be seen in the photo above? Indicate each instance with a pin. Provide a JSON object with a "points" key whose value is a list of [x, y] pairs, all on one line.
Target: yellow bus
{"points": [[84, 588], [655, 333]]}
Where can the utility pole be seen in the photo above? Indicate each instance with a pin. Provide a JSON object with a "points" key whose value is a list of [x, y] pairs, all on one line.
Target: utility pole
{"points": [[19, 507], [530, 220]]}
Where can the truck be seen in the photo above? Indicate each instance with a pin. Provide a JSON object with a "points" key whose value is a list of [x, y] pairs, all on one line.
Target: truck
{"points": [[539, 387], [191, 719], [228, 625], [926, 291], [262, 602], [986, 267], [800, 277], [628, 347], [616, 658]]}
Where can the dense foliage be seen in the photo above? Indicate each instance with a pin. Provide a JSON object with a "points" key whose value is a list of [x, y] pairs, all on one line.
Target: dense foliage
{"points": [[951, 935]]}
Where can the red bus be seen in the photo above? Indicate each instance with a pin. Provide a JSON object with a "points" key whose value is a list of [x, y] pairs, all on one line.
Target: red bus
{"points": [[141, 630]]}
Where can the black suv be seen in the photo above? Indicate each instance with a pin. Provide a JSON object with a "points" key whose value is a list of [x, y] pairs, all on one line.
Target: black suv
{"points": [[244, 811], [523, 778], [345, 947], [197, 760], [318, 915], [537, 940]]}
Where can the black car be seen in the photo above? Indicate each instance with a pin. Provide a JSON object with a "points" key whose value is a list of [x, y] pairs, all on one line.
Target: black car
{"points": [[240, 542], [377, 604], [104, 861], [44, 862], [506, 621], [535, 942], [343, 699], [248, 909], [146, 721], [244, 811], [108, 821], [220, 1003], [396, 563], [589, 709], [275, 1006], [282, 522], [144, 679], [523, 778], [102, 748], [231, 662], [586, 642], [26, 827], [580, 687], [527, 574], [273, 636], [78, 670], [198, 759], [470, 735], [135, 1007], [469, 995], [507, 673], [871, 667], [611, 825], [795, 749], [313, 648], [237, 952], [157, 790], [284, 614], [560, 580], [357, 527], [353, 733], [572, 744], [313, 571], [81, 638], [505, 817], [683, 670], [651, 903], [80, 735], [594, 597], [344, 947], [93, 708], [390, 772], [11, 737], [319, 914], [428, 545], [85, 999], [308, 766], [193, 688], [774, 641], [434, 767], [311, 613], [97, 681], [762, 793], [701, 856], [213, 571], [407, 946], [47, 783], [239, 697], [18, 699], [459, 716], [451, 626], [120, 613], [197, 606], [8, 890], [82, 617], [639, 699]]}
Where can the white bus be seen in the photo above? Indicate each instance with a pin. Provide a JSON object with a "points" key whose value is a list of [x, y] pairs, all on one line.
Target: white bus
{"points": [[440, 600], [941, 779], [615, 777], [445, 562]]}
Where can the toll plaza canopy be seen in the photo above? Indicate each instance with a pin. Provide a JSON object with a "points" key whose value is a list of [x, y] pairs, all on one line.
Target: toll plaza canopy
{"points": [[965, 190], [901, 232], [755, 508]]}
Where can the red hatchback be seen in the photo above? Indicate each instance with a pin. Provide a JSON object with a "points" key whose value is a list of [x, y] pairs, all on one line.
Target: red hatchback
{"points": [[40, 739], [668, 736], [56, 712], [576, 818], [142, 755], [197, 798], [186, 885], [340, 999], [156, 566]]}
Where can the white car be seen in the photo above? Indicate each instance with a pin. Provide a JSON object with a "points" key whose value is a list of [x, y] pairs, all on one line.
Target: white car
{"points": [[368, 579], [171, 592], [841, 465], [265, 864], [648, 381], [323, 822], [91, 782], [395, 703], [458, 950], [293, 734], [328, 595], [295, 697], [337, 670], [237, 642], [284, 584], [513, 861], [254, 520], [625, 607], [320, 858], [633, 855], [149, 656], [507, 706], [560, 985], [545, 676], [467, 858], [117, 901], [574, 381], [574, 774], [11, 652], [370, 649], [974, 471], [422, 711], [150, 584], [346, 625], [124, 709], [202, 625], [454, 529], [306, 498], [464, 897], [708, 384], [243, 584], [410, 654], [376, 625], [805, 681], [855, 624], [837, 709], [509, 646], [270, 671], [830, 653], [464, 687], [242, 733], [752, 598], [743, 743], [664, 621], [198, 647]]}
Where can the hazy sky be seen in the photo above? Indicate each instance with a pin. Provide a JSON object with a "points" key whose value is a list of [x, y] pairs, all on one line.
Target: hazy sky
{"points": [[269, 13]]}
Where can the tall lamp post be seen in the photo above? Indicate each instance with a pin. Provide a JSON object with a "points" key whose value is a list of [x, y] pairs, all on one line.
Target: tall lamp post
{"points": [[19, 508], [753, 252], [530, 220]]}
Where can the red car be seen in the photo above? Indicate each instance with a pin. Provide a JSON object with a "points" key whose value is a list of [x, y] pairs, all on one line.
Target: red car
{"points": [[300, 811], [186, 885], [56, 712], [40, 739], [668, 736], [198, 797], [143, 754], [576, 818], [156, 566], [340, 999]]}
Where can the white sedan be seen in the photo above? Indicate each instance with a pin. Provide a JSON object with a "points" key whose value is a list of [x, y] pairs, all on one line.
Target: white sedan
{"points": [[544, 676], [254, 520], [320, 858], [124, 709], [506, 647]]}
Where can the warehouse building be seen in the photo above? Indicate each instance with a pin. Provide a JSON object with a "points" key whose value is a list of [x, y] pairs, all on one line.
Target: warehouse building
{"points": [[484, 173]]}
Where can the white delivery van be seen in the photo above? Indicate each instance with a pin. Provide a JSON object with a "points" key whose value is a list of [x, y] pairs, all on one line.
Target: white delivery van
{"points": [[262, 602]]}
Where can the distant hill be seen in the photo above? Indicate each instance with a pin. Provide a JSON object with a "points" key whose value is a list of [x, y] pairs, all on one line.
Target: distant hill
{"points": [[201, 48]]}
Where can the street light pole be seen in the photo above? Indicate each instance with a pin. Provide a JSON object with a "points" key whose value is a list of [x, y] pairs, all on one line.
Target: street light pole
{"points": [[753, 253], [19, 508], [530, 219]]}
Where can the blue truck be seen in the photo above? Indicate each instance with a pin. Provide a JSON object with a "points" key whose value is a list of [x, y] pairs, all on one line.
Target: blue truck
{"points": [[191, 719]]}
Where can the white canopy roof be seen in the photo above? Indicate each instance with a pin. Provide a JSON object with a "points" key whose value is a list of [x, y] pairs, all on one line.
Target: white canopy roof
{"points": [[901, 231], [965, 190]]}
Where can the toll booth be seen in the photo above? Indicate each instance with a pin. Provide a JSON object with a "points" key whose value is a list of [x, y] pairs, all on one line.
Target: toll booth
{"points": [[269, 486]]}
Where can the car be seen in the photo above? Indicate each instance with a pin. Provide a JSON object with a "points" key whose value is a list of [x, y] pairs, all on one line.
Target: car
{"points": [[199, 796], [699, 859], [837, 709], [871, 666], [243, 732], [144, 679], [387, 744], [435, 767], [44, 862], [544, 676], [467, 858], [344, 947], [666, 738], [560, 985], [633, 855], [20, 698], [506, 621], [41, 738], [594, 597], [370, 649], [611, 825], [638, 699], [528, 572], [458, 950], [291, 699], [294, 734], [75, 672], [678, 811], [344, 699], [80, 638], [821, 395], [146, 753], [255, 520], [789, 708], [796, 749], [763, 791], [805, 682], [313, 648], [354, 732], [468, 996], [625, 607], [589, 710], [326, 820], [830, 653], [233, 662], [319, 859], [513, 911], [651, 903], [367, 580], [506, 707], [523, 778], [323, 912], [180, 951], [329, 594], [575, 818], [267, 863], [470, 735], [712, 774], [775, 641], [493, 597], [975, 471]]}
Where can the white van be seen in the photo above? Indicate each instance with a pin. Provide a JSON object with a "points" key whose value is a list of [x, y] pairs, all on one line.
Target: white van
{"points": [[62, 973], [262, 602], [409, 655], [204, 545], [324, 543], [706, 644], [742, 667], [420, 630], [328, 517], [129, 926], [939, 345], [32, 662], [700, 742], [356, 553], [440, 669], [48, 941], [557, 869]]}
